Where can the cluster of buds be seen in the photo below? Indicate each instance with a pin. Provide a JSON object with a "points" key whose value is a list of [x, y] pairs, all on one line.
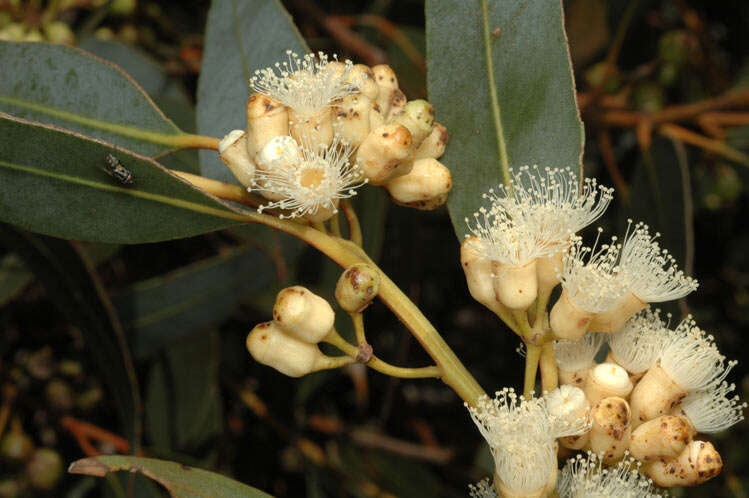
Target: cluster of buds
{"points": [[318, 129], [657, 389], [302, 319]]}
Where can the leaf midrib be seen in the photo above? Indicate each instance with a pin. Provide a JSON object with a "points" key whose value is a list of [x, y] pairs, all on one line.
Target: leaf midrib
{"points": [[179, 203], [496, 114], [120, 129]]}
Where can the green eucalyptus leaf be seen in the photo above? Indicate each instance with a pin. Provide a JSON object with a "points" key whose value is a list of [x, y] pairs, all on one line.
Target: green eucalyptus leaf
{"points": [[66, 87], [53, 183], [500, 79], [181, 481], [159, 311], [72, 284], [241, 37]]}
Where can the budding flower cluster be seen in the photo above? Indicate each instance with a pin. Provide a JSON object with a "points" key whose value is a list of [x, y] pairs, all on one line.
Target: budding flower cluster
{"points": [[301, 319], [319, 128], [656, 391]]}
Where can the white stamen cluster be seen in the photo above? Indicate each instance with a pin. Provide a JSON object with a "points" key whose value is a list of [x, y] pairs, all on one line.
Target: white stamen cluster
{"points": [[305, 85], [482, 489], [586, 477], [521, 434], [649, 272], [638, 344], [574, 355], [566, 402], [712, 410], [502, 239], [592, 285], [552, 201], [321, 176], [536, 214], [692, 359]]}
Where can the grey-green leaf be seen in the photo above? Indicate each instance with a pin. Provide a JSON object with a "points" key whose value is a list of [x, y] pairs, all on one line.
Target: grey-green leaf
{"points": [[161, 310], [517, 51], [53, 183], [181, 481], [241, 37], [66, 87]]}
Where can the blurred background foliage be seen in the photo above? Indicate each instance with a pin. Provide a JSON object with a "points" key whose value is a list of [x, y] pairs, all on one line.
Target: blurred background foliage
{"points": [[652, 78]]}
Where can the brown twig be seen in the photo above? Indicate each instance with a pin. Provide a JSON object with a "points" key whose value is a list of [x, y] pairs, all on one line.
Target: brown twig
{"points": [[716, 146], [391, 31], [713, 122], [342, 34], [85, 432], [675, 113]]}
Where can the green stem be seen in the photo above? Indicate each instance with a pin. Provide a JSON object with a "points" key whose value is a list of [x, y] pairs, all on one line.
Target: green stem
{"points": [[377, 364], [358, 320], [354, 228], [331, 363], [335, 225], [542, 301], [549, 371], [532, 355]]}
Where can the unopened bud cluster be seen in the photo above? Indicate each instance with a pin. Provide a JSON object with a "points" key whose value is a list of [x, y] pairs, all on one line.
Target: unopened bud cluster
{"points": [[288, 343], [318, 129]]}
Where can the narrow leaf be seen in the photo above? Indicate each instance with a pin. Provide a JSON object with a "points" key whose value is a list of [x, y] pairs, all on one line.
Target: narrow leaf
{"points": [[66, 87], [241, 37], [53, 183], [500, 79], [181, 481], [73, 286]]}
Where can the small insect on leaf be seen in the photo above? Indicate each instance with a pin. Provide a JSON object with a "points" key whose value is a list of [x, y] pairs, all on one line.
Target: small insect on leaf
{"points": [[114, 168]]}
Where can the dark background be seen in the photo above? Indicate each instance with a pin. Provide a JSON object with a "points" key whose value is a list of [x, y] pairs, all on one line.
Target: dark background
{"points": [[362, 434]]}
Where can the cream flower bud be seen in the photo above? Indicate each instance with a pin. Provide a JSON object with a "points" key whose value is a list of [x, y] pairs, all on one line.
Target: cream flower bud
{"points": [[266, 118], [318, 127], [396, 104], [568, 403], [516, 286], [611, 428], [303, 314], [387, 83], [281, 152], [425, 187], [352, 113], [605, 380], [662, 437], [271, 346], [478, 271], [697, 463], [575, 358], [434, 144], [614, 319], [418, 117], [363, 78], [376, 119], [588, 287], [357, 287], [382, 153], [689, 362], [549, 271], [232, 150]]}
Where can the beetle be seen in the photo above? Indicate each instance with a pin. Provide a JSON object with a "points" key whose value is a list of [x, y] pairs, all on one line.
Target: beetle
{"points": [[114, 168]]}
